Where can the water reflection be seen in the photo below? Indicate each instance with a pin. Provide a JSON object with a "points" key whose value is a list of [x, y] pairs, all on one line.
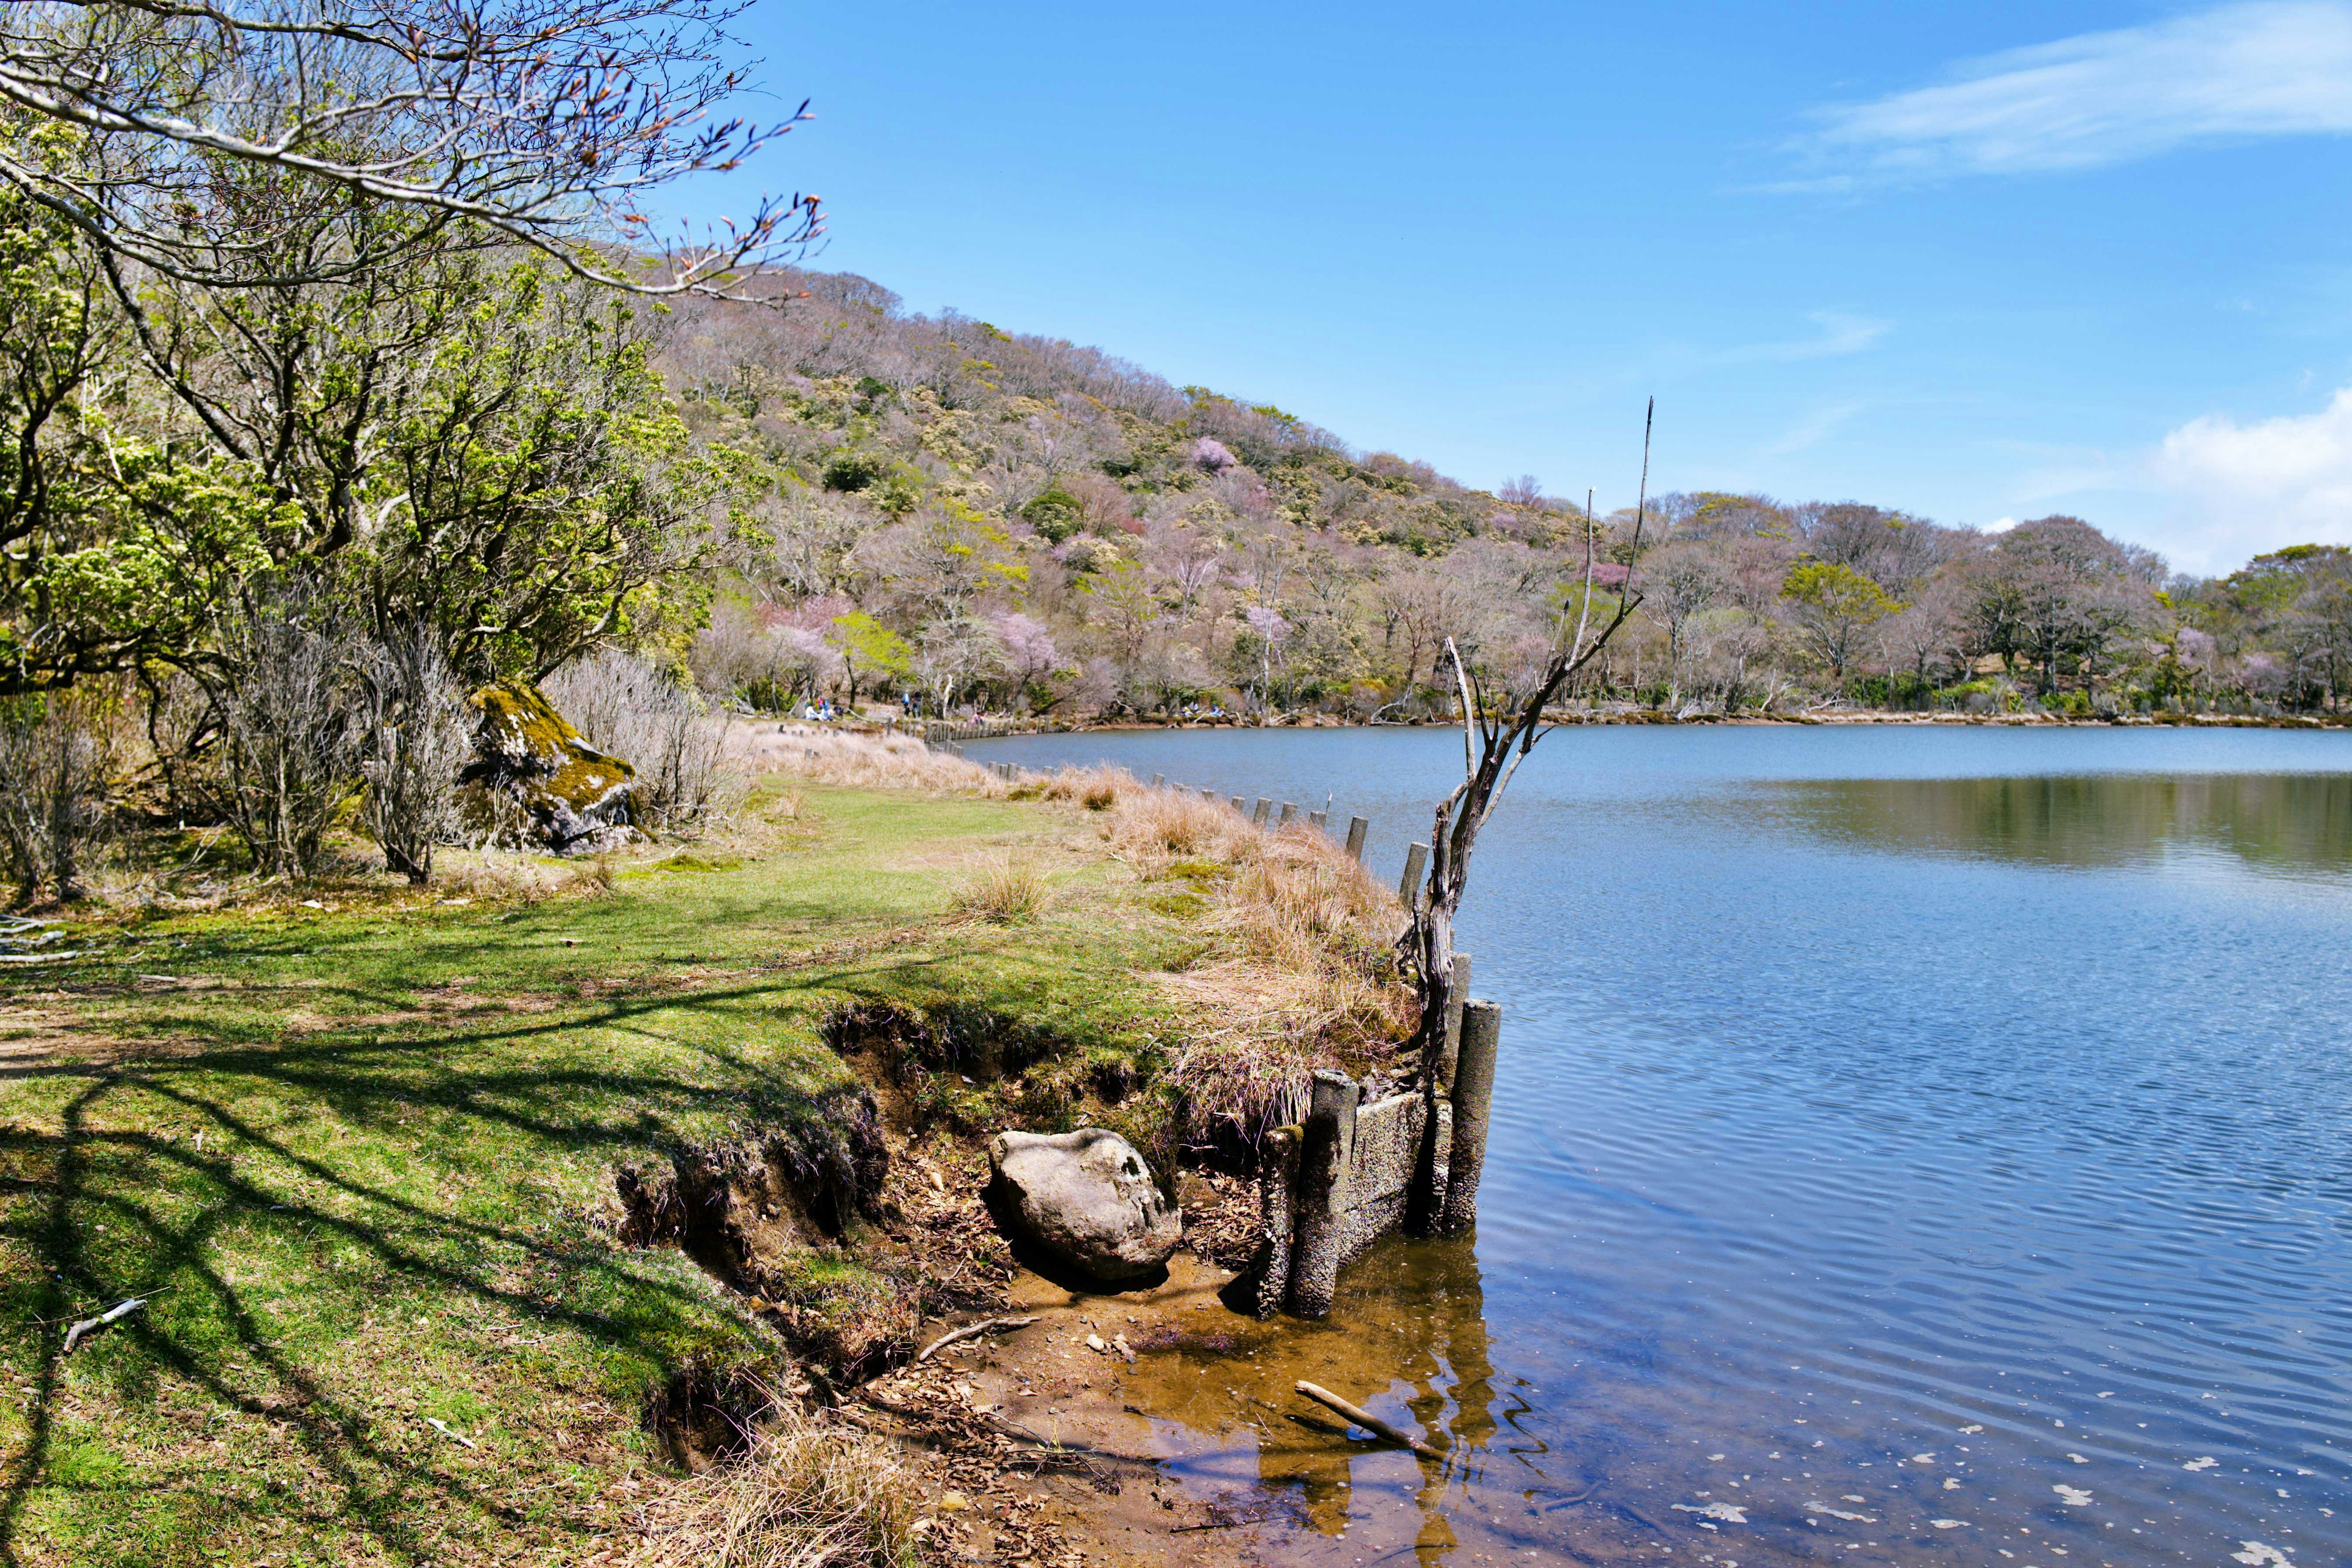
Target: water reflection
{"points": [[1904, 1204], [2294, 824], [1407, 1339]]}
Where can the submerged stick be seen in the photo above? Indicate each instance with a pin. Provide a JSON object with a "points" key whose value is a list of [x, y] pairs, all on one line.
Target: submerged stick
{"points": [[1368, 1421], [972, 1332]]}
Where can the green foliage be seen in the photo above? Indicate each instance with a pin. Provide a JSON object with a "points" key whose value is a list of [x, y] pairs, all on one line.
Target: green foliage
{"points": [[1055, 513], [872, 651], [852, 471], [1833, 603]]}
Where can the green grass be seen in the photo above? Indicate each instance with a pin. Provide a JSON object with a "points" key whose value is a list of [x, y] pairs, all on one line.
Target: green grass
{"points": [[361, 1161]]}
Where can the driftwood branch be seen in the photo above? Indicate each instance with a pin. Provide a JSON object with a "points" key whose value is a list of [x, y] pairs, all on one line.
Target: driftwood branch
{"points": [[91, 1325], [1368, 1421], [971, 1331]]}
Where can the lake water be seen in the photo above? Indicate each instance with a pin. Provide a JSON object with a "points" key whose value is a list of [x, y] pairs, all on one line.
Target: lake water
{"points": [[1910, 1145]]}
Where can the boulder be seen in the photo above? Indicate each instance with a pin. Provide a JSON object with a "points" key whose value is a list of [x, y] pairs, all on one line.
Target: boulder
{"points": [[539, 780], [1086, 1199]]}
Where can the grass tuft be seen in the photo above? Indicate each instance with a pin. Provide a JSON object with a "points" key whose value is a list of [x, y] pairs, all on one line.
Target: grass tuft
{"points": [[1004, 892], [806, 1495]]}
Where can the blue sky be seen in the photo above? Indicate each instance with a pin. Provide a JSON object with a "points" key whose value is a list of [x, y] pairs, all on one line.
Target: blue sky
{"points": [[1978, 262]]}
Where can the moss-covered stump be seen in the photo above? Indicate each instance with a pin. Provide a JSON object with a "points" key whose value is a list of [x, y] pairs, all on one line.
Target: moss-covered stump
{"points": [[537, 779]]}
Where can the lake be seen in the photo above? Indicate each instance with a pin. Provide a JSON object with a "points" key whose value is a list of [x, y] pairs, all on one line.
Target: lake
{"points": [[1910, 1145]]}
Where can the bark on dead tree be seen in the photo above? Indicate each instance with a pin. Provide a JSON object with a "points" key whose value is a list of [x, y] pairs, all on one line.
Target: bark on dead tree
{"points": [[1495, 739]]}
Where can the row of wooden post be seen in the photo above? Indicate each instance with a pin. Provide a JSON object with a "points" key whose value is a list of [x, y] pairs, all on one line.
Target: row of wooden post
{"points": [[1416, 855]]}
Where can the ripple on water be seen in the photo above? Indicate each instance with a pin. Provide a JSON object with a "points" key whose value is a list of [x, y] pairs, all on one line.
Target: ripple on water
{"points": [[1865, 1095]]}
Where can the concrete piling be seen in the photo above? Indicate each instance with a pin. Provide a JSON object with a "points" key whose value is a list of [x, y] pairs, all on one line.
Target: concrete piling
{"points": [[1319, 821], [1326, 1151], [1159, 781], [1416, 856], [1257, 816], [1357, 828], [1474, 1094], [1278, 1189], [1289, 810], [1241, 805]]}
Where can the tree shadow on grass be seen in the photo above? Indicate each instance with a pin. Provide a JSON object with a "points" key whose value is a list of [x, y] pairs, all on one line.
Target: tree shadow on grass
{"points": [[273, 1203], [284, 1205]]}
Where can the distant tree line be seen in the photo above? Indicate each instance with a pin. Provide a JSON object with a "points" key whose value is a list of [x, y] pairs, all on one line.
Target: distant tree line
{"points": [[952, 515], [340, 372]]}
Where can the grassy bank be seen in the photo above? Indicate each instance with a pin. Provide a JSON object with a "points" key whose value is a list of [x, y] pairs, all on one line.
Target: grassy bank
{"points": [[360, 1159]]}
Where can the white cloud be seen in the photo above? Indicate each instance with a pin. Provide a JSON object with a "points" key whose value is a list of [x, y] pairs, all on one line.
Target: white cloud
{"points": [[2277, 68], [1813, 430], [1840, 335], [2240, 489]]}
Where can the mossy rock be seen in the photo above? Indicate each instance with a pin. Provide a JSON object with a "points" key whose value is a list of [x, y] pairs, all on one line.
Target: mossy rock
{"points": [[573, 797]]}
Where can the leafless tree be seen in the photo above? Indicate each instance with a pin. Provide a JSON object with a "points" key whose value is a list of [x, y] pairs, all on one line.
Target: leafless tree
{"points": [[418, 738], [1417, 605], [1685, 584], [540, 123], [1926, 634], [621, 704], [293, 729], [1495, 742], [56, 762]]}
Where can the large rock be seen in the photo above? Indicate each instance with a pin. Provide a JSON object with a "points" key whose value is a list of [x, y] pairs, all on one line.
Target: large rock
{"points": [[555, 789], [1086, 1199]]}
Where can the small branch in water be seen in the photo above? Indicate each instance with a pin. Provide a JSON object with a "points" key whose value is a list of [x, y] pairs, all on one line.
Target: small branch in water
{"points": [[1368, 1421]]}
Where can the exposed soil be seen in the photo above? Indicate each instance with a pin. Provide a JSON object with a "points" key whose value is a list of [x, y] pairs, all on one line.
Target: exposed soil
{"points": [[1038, 1417]]}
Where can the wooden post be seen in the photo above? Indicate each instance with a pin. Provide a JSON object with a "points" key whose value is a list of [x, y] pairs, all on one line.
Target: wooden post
{"points": [[1277, 1203], [1241, 805], [1457, 993], [1325, 1155], [1357, 827], [1289, 810], [1159, 781], [1409, 885], [1258, 816], [1474, 1095], [1207, 794], [1319, 821]]}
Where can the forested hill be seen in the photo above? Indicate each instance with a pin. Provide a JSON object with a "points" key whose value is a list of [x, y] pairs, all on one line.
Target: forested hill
{"points": [[857, 392], [952, 509]]}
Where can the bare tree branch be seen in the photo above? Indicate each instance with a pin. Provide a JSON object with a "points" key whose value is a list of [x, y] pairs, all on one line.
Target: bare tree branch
{"points": [[542, 122], [1503, 740]]}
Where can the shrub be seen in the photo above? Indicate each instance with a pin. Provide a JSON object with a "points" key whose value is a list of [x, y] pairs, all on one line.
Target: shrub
{"points": [[1057, 513], [854, 472], [56, 757], [292, 731], [621, 704], [419, 738]]}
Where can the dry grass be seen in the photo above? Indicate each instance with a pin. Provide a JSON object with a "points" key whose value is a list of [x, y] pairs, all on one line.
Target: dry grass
{"points": [[1303, 976], [496, 875], [1097, 789], [1003, 891], [872, 762], [805, 1496]]}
